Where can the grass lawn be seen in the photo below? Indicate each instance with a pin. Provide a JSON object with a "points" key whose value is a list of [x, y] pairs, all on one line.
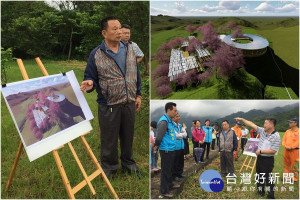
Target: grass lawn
{"points": [[193, 190], [41, 179]]}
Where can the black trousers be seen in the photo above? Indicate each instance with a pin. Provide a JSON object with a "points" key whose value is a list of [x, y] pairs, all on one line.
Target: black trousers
{"points": [[207, 147], [186, 146], [213, 144], [116, 122], [178, 163], [265, 165], [226, 160], [167, 163], [243, 142]]}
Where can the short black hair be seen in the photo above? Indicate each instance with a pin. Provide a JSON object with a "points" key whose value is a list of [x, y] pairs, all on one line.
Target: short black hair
{"points": [[206, 121], [126, 26], [243, 124], [225, 121], [272, 120], [169, 106], [153, 124], [104, 24]]}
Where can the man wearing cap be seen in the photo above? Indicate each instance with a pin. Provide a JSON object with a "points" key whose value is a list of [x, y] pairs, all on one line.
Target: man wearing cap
{"points": [[290, 142], [268, 146], [238, 133]]}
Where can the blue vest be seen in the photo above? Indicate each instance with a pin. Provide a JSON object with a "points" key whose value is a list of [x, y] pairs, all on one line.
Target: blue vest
{"points": [[168, 142], [179, 142], [208, 133]]}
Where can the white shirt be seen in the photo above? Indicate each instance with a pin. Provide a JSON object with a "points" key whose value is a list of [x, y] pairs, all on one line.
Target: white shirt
{"points": [[245, 133]]}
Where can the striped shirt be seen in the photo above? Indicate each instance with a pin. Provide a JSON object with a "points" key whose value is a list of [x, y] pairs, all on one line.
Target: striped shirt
{"points": [[272, 141], [138, 52]]}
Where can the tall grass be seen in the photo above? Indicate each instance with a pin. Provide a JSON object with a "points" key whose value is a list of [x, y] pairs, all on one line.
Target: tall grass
{"points": [[40, 179]]}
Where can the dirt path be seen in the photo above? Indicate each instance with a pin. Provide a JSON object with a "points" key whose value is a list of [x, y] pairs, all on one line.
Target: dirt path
{"points": [[189, 168]]}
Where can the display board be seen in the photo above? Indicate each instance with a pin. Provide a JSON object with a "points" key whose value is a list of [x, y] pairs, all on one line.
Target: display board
{"points": [[48, 112]]}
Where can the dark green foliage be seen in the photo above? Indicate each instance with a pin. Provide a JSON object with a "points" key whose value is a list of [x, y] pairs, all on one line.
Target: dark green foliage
{"points": [[71, 29]]}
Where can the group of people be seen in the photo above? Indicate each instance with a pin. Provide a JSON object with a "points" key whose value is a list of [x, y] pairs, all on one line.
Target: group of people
{"points": [[268, 147], [171, 138]]}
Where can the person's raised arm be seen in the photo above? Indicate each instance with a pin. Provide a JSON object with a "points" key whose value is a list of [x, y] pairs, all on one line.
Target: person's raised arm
{"points": [[248, 123]]}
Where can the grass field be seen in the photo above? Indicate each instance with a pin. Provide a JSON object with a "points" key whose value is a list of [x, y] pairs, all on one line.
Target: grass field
{"points": [[284, 40], [193, 190], [40, 179]]}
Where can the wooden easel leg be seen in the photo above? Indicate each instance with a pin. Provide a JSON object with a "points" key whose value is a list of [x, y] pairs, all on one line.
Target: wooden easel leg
{"points": [[243, 164], [94, 159], [63, 174], [254, 165], [14, 165], [81, 168]]}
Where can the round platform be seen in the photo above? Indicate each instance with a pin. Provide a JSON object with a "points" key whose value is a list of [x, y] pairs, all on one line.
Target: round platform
{"points": [[256, 43], [57, 98]]}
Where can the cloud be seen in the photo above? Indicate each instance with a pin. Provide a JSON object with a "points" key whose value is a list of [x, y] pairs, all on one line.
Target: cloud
{"points": [[156, 11], [179, 6], [230, 5], [264, 7], [287, 8]]}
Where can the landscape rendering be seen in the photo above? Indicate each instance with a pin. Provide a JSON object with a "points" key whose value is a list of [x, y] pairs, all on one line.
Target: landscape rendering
{"points": [[224, 57], [43, 107]]}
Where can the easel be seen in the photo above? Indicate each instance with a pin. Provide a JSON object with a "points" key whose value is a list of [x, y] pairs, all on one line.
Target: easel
{"points": [[87, 179], [249, 165]]}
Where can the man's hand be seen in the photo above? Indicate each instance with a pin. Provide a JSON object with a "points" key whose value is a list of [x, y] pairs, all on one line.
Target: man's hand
{"points": [[86, 85], [257, 152], [155, 149], [138, 103], [239, 119], [234, 153]]}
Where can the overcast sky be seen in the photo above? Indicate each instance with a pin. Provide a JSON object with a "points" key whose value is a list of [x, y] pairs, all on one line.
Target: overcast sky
{"points": [[221, 108], [225, 8]]}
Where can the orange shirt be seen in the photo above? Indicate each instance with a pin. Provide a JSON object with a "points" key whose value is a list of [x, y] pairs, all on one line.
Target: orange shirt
{"points": [[238, 132], [291, 139]]}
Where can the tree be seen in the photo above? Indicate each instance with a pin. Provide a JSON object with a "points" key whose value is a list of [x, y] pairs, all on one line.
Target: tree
{"points": [[6, 56], [210, 36], [237, 33], [190, 29], [230, 26], [226, 60]]}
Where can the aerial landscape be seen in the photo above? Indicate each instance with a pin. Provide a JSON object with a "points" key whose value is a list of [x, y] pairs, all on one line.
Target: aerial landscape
{"points": [[224, 57]]}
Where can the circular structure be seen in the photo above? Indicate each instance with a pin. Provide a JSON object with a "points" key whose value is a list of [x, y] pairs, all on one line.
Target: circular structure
{"points": [[57, 98], [257, 45]]}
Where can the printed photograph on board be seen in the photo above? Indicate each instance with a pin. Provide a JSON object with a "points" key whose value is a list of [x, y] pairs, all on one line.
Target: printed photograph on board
{"points": [[43, 107]]}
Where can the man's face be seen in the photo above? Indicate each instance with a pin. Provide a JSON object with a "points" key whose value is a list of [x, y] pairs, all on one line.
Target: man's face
{"points": [[243, 127], [207, 123], [177, 119], [268, 125], [113, 32], [225, 126], [125, 34], [292, 124], [173, 112], [194, 124], [237, 125]]}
